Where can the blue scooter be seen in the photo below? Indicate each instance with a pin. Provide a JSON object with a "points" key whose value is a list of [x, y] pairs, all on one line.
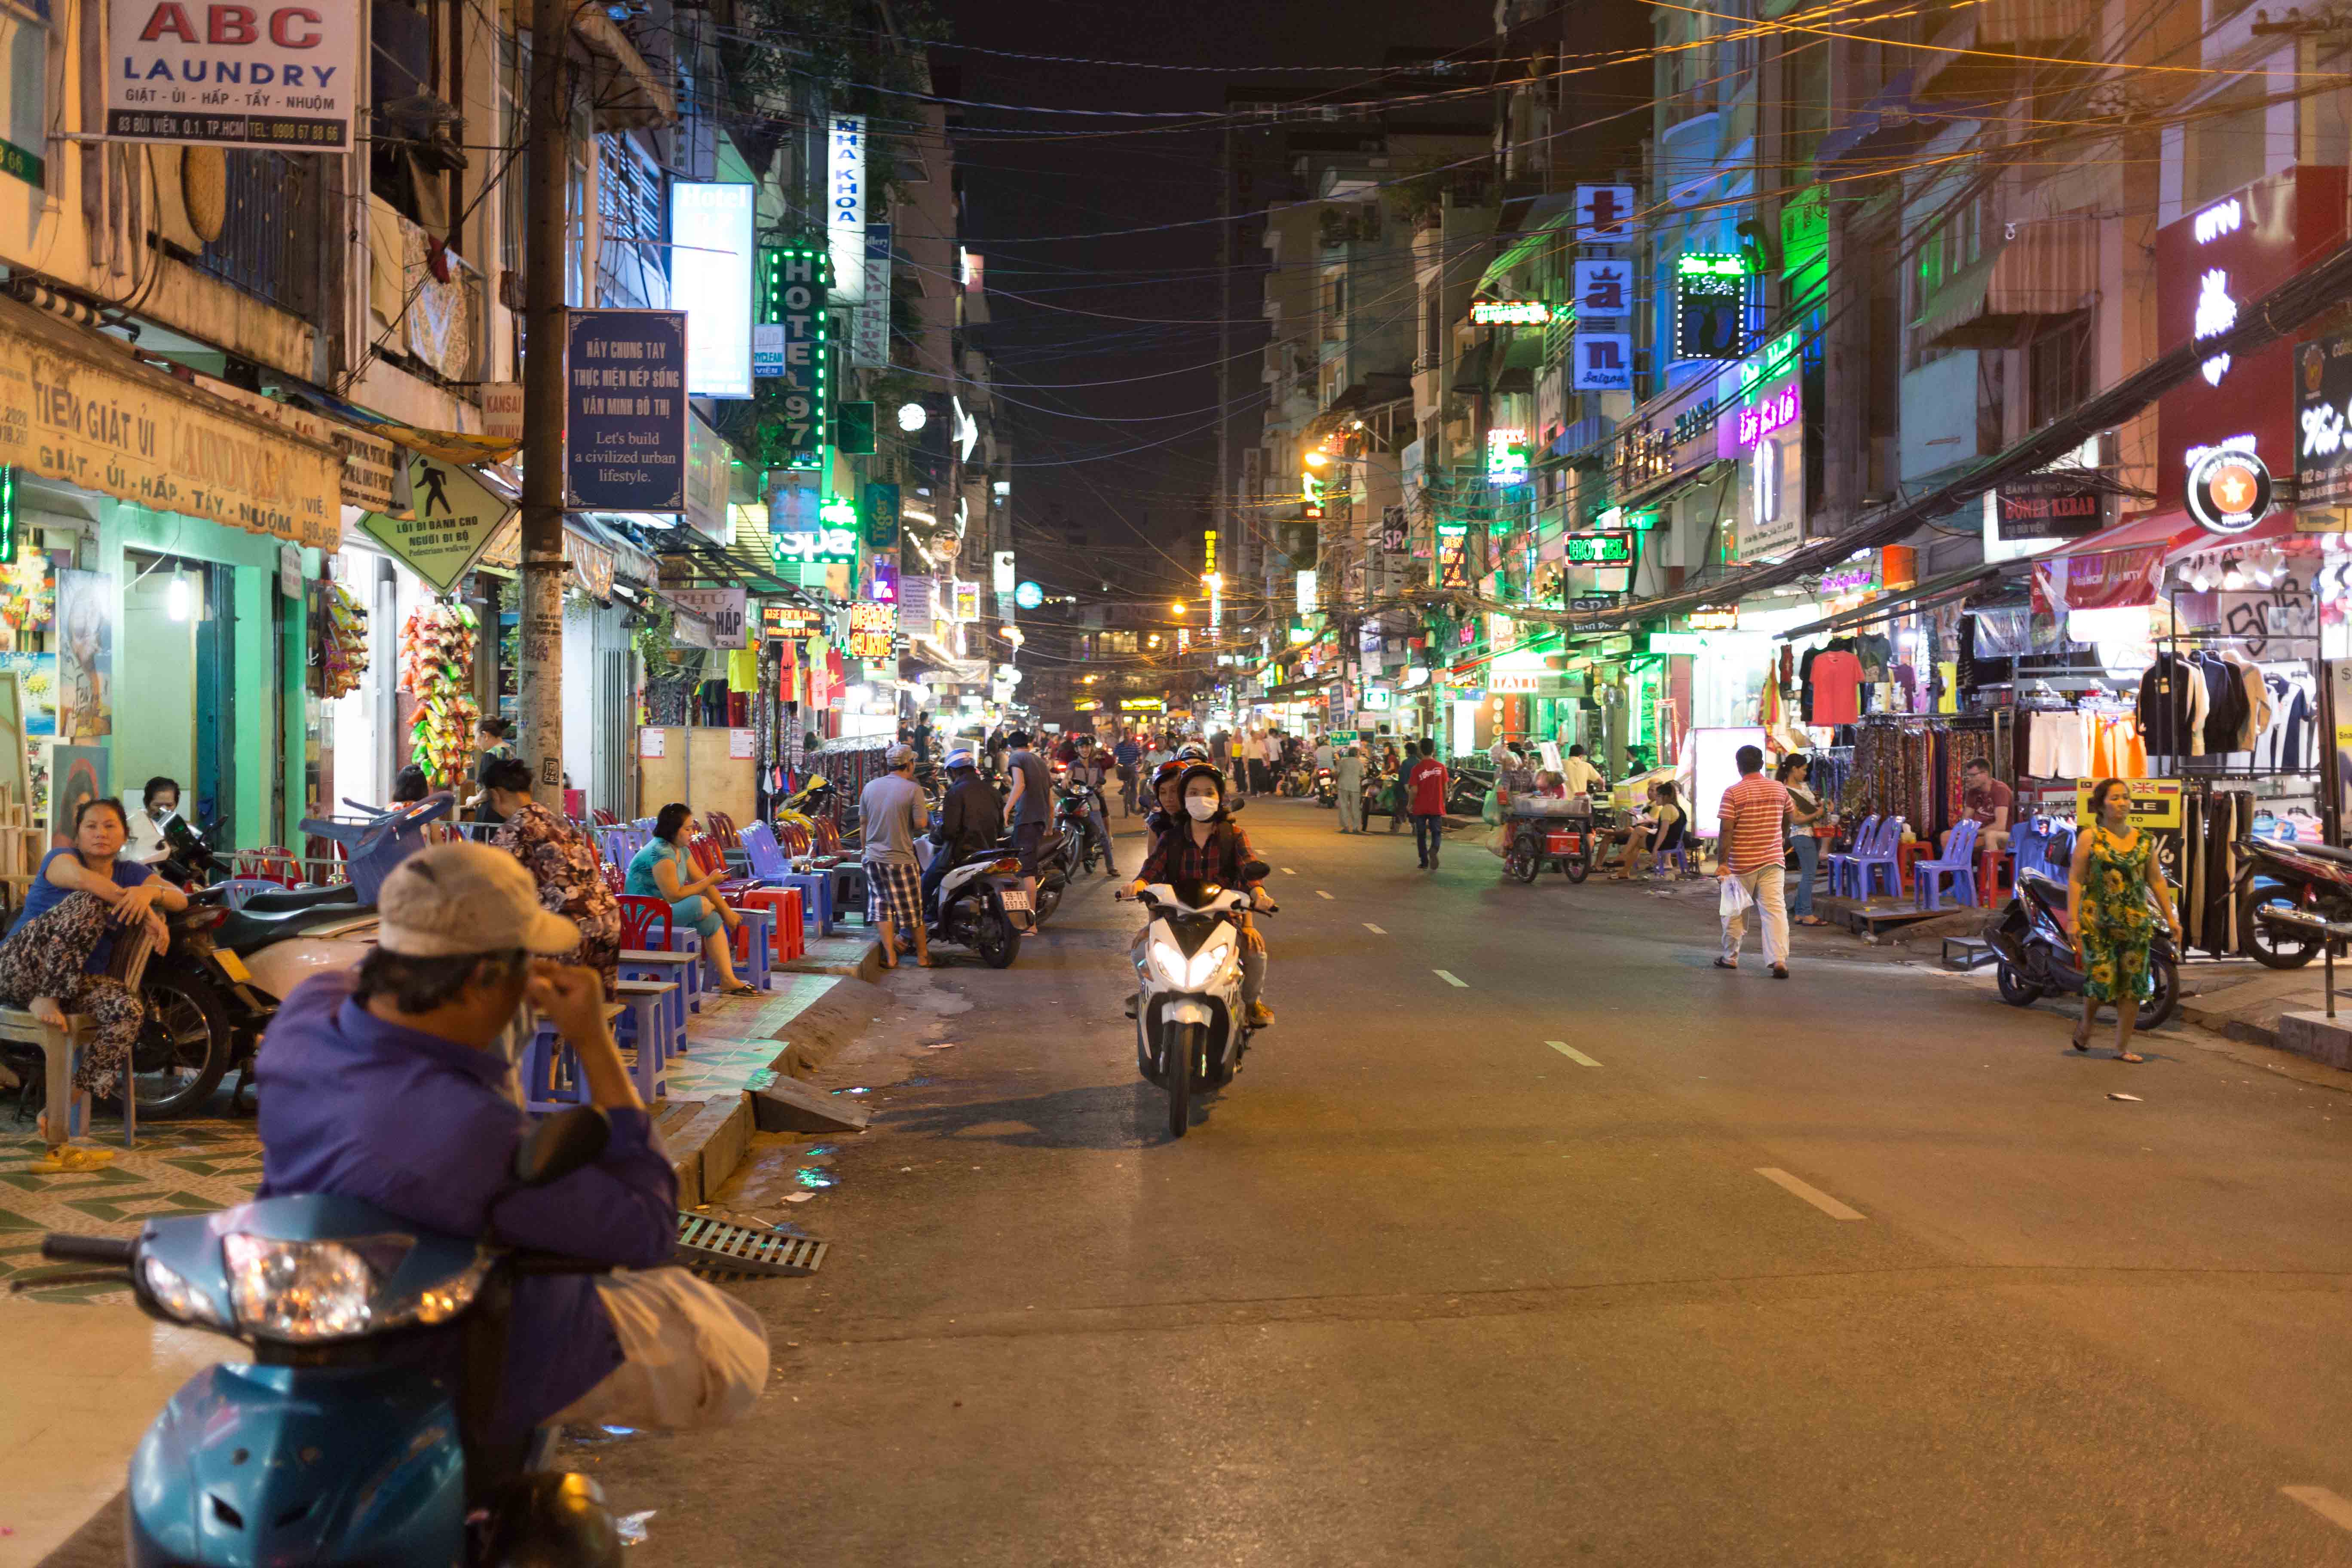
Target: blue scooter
{"points": [[364, 1431]]}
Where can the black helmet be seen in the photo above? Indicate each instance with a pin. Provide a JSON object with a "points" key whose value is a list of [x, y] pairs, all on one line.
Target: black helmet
{"points": [[1188, 772]]}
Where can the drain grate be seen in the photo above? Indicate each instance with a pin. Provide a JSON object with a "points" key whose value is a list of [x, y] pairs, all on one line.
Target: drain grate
{"points": [[719, 1246]]}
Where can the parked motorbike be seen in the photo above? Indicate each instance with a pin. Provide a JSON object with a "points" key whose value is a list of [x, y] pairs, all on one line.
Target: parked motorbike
{"points": [[2314, 879], [364, 1431], [2038, 958], [1190, 1026], [986, 903]]}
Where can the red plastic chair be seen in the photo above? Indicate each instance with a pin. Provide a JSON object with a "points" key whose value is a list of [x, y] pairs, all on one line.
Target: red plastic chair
{"points": [[645, 923], [722, 828], [604, 818], [708, 859]]}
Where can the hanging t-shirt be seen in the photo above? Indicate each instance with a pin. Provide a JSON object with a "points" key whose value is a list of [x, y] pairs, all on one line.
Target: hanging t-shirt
{"points": [[1837, 688]]}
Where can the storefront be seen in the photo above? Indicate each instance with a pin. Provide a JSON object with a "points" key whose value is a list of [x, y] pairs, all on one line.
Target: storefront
{"points": [[155, 609]]}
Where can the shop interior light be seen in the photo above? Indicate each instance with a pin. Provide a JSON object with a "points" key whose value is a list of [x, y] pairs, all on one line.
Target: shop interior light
{"points": [[179, 598], [2231, 577]]}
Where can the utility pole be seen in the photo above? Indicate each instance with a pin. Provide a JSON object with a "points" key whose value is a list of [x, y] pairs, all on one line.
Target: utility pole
{"points": [[540, 688]]}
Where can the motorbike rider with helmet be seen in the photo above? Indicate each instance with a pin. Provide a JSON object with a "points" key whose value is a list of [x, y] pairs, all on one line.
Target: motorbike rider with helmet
{"points": [[1092, 769], [1167, 799], [970, 817], [1205, 845]]}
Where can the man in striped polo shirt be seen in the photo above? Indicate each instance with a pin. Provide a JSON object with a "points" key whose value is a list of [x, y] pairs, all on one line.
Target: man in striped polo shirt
{"points": [[1753, 847]]}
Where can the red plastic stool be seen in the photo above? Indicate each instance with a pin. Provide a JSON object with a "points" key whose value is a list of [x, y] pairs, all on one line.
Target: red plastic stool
{"points": [[791, 942]]}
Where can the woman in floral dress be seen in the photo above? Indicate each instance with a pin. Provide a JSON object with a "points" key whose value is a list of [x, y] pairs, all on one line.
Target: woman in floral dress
{"points": [[2107, 885], [563, 864]]}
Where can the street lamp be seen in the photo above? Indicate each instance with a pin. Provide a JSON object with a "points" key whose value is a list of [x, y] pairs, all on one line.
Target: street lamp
{"points": [[1176, 606]]}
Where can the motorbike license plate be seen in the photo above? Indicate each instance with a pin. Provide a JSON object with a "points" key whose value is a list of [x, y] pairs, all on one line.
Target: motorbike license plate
{"points": [[232, 965], [1015, 901]]}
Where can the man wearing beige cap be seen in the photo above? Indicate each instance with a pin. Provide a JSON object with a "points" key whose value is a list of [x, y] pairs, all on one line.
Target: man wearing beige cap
{"points": [[383, 1084]]}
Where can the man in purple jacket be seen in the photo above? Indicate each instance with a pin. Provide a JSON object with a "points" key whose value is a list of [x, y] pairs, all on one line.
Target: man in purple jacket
{"points": [[385, 1084]]}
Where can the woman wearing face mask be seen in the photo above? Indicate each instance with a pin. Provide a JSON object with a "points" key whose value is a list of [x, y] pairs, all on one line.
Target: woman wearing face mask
{"points": [[1207, 845]]}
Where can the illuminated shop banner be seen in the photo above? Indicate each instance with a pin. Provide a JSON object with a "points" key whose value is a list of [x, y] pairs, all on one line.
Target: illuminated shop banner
{"points": [[845, 204], [710, 279], [1509, 313]]}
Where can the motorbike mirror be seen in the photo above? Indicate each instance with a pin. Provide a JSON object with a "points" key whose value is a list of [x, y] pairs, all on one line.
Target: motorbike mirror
{"points": [[560, 1145], [1233, 802], [1257, 871]]}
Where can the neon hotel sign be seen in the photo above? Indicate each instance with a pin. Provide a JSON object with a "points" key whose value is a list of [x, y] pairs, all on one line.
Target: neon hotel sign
{"points": [[1775, 410]]}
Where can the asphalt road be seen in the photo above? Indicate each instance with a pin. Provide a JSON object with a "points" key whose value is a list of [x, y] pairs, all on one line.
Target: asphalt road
{"points": [[1859, 1267]]}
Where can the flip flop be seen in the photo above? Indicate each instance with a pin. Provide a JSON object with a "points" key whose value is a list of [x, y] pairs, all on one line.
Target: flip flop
{"points": [[1724, 963], [71, 1159]]}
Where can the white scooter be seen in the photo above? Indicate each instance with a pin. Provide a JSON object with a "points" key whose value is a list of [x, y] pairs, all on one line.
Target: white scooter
{"points": [[985, 903], [1191, 1024]]}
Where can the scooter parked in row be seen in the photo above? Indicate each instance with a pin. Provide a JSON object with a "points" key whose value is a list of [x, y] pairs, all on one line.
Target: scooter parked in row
{"points": [[2038, 958], [364, 1430], [986, 903], [1191, 1028], [2310, 878]]}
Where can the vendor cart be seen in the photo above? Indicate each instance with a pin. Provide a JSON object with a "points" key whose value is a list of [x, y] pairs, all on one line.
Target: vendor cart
{"points": [[1549, 830]]}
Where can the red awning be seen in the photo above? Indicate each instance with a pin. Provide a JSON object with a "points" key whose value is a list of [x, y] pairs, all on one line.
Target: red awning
{"points": [[2277, 529], [2163, 528]]}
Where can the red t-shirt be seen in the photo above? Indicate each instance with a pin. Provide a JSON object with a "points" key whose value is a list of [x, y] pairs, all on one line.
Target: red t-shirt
{"points": [[1427, 784], [1837, 688]]}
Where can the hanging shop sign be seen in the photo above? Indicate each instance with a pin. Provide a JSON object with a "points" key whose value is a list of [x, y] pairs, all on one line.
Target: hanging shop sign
{"points": [[1603, 361], [1604, 288], [882, 585], [2108, 580], [2229, 489], [710, 276], [624, 447], [2059, 504], [1715, 618], [709, 464], [872, 629], [1453, 555], [1591, 602], [794, 288], [1604, 215], [967, 600], [1507, 457], [1396, 537], [2323, 451], [2208, 264], [784, 622], [1509, 313], [2154, 802], [882, 519], [869, 343], [1004, 573], [724, 608], [450, 521], [1710, 307], [845, 204], [278, 75], [1028, 595], [1600, 549], [105, 422], [832, 542]]}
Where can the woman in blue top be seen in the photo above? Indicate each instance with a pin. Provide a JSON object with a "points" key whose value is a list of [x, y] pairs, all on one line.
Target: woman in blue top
{"points": [[54, 962], [660, 871]]}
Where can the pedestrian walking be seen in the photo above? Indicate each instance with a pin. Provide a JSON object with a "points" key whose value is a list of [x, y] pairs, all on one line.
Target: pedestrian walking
{"points": [[895, 812], [2107, 883], [1347, 778], [1807, 820], [1752, 818], [1426, 793], [1029, 807]]}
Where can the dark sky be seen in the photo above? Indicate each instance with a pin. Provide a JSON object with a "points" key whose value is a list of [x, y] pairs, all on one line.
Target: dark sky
{"points": [[1075, 441]]}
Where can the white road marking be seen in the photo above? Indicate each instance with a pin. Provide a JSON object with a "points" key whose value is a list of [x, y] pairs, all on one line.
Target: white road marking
{"points": [[1571, 1053], [1321, 894], [1450, 980], [1288, 872], [1813, 1195], [1373, 929], [2326, 1504]]}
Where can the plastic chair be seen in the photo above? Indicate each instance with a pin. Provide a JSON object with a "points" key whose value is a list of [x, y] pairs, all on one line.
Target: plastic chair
{"points": [[722, 830], [645, 927], [1883, 855], [1842, 865], [768, 864], [1957, 866]]}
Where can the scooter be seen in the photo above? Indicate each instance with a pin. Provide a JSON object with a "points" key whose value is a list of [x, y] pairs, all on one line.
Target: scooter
{"points": [[1073, 816], [1190, 1026], [986, 903], [364, 1431], [1327, 789], [2038, 958], [2312, 879]]}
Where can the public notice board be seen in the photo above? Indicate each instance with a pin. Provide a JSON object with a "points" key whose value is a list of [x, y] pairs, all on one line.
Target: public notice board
{"points": [[624, 414]]}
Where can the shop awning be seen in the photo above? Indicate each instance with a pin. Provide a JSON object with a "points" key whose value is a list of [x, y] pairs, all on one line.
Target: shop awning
{"points": [[106, 421], [2051, 269], [1927, 595]]}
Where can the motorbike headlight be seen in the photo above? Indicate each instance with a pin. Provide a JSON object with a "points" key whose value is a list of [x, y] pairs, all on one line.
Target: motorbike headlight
{"points": [[172, 1292], [1169, 962], [298, 1290], [1215, 955]]}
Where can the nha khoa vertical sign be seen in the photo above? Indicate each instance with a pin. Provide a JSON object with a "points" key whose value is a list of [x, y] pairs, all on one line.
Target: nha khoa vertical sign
{"points": [[794, 294], [232, 75], [625, 441], [845, 204]]}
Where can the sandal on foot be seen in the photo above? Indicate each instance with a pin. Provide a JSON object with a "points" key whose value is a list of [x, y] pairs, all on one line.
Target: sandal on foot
{"points": [[2129, 1056], [2081, 1039], [1724, 963], [742, 989]]}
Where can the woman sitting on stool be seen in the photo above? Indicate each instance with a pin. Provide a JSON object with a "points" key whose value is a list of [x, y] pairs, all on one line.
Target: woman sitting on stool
{"points": [[654, 873]]}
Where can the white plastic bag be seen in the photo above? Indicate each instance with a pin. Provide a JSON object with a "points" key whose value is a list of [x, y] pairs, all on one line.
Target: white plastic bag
{"points": [[1735, 899]]}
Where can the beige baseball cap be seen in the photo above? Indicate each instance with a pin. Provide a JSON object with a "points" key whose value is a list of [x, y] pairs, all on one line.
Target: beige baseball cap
{"points": [[458, 898]]}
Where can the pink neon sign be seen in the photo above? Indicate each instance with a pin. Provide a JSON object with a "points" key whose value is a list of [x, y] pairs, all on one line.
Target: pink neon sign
{"points": [[1775, 410]]}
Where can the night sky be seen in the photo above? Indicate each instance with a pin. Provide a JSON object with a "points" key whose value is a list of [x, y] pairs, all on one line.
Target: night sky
{"points": [[1077, 455]]}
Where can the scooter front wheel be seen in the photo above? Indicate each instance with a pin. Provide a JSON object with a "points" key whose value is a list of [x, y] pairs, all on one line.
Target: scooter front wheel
{"points": [[1183, 1050], [2015, 988]]}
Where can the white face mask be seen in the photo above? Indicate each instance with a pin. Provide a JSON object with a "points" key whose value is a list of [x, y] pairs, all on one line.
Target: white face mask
{"points": [[1200, 806]]}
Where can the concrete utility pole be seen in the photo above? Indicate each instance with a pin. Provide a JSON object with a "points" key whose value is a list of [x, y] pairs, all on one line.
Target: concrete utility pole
{"points": [[539, 686]]}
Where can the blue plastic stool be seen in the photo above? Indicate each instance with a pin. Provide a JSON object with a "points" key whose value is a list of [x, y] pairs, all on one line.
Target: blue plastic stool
{"points": [[754, 967], [678, 969], [647, 1026]]}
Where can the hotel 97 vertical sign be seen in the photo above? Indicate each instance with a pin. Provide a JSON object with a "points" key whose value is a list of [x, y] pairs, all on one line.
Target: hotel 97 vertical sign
{"points": [[281, 75]]}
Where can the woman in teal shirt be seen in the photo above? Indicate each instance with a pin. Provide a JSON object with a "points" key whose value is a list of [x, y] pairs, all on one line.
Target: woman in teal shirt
{"points": [[660, 871]]}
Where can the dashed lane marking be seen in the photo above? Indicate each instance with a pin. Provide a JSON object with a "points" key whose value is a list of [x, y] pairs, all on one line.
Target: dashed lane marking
{"points": [[2326, 1504], [1571, 1053], [1373, 929], [1812, 1195], [1450, 980], [1288, 872], [1321, 894]]}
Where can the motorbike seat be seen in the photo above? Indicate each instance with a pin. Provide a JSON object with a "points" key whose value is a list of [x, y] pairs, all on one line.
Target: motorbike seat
{"points": [[2320, 851], [2053, 891], [247, 929], [301, 898]]}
